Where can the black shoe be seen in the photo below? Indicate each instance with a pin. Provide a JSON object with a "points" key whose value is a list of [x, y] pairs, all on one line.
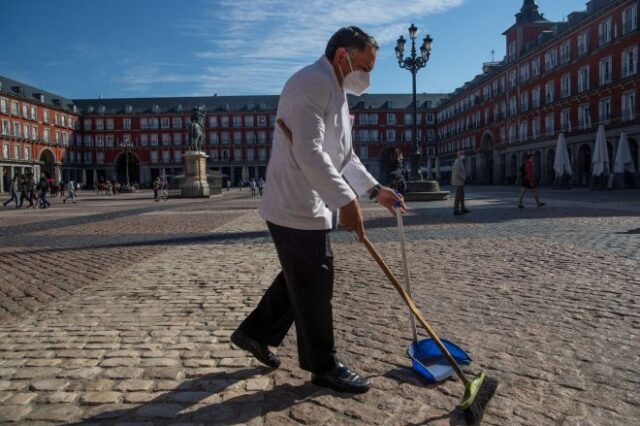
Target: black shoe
{"points": [[520, 206], [457, 212], [259, 351], [341, 379], [465, 211], [541, 204]]}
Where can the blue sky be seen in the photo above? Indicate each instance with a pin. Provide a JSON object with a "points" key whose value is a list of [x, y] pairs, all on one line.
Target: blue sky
{"points": [[145, 48]]}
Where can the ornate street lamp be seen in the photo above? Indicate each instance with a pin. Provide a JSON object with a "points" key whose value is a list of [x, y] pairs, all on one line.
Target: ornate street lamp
{"points": [[127, 146], [414, 63]]}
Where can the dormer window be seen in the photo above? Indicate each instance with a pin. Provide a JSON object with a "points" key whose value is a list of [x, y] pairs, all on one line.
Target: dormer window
{"points": [[128, 109], [250, 106], [90, 109], [155, 108], [179, 108], [102, 109]]}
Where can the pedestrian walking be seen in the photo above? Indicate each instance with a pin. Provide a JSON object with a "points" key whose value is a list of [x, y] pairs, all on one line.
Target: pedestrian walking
{"points": [[228, 185], [43, 188], [306, 177], [252, 185], [458, 176], [61, 188], [14, 186], [528, 182], [260, 186], [71, 193], [156, 188], [24, 190]]}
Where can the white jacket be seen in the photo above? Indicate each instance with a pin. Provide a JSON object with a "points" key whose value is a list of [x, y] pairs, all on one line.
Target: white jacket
{"points": [[458, 172], [305, 179]]}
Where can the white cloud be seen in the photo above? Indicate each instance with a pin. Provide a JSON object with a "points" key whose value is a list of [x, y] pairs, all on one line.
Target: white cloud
{"points": [[254, 46]]}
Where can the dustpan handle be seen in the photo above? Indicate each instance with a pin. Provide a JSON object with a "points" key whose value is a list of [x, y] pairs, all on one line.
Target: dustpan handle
{"points": [[409, 302], [407, 278]]}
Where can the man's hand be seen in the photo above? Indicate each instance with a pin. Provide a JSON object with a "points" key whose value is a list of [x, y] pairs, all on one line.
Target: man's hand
{"points": [[390, 199], [351, 218]]}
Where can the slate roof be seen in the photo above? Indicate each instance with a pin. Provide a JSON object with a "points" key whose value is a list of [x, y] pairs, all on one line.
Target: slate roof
{"points": [[18, 89]]}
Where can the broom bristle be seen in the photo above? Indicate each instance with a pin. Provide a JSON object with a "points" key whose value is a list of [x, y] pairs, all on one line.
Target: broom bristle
{"points": [[474, 412]]}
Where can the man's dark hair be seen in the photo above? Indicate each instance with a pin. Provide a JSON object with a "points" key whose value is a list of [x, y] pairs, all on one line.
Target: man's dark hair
{"points": [[530, 156], [349, 37]]}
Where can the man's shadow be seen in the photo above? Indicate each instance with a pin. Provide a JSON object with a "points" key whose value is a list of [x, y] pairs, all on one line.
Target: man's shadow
{"points": [[168, 407]]}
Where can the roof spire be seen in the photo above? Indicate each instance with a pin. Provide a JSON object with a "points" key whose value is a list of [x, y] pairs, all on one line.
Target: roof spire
{"points": [[529, 12]]}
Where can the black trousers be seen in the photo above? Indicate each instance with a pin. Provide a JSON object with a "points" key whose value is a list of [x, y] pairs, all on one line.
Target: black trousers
{"points": [[301, 293]]}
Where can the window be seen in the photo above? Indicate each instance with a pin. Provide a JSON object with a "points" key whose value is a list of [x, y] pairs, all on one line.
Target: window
{"points": [[3, 105], [524, 101], [99, 157], [126, 123], [262, 137], [363, 119], [226, 138], [512, 133], [524, 131], [565, 120], [166, 156], [535, 128], [250, 137], [262, 121], [250, 154], [408, 136], [583, 43], [391, 119], [565, 52], [513, 106], [144, 139], [550, 60], [26, 153], [154, 156], [535, 96], [25, 131], [262, 154], [5, 150], [565, 85], [153, 123], [237, 138], [153, 138], [109, 123], [584, 117], [144, 123], [213, 154], [604, 31], [99, 123], [363, 136], [45, 136], [549, 91], [391, 135], [177, 156], [583, 79], [237, 121], [177, 139], [535, 67], [225, 154], [16, 129], [549, 124], [100, 141], [25, 110], [34, 114], [237, 154], [629, 105], [605, 109], [166, 139], [213, 138], [511, 54], [70, 122], [14, 108], [213, 121], [630, 62], [513, 79], [525, 72], [605, 71], [249, 121], [45, 116], [373, 136], [408, 119], [109, 139], [373, 119], [629, 19], [364, 152], [165, 124], [6, 129], [176, 122], [86, 124]]}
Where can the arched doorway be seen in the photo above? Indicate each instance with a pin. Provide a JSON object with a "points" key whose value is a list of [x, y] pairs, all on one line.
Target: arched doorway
{"points": [[513, 168], [584, 164], [537, 166], [130, 161], [550, 173], [633, 148], [47, 163], [487, 159]]}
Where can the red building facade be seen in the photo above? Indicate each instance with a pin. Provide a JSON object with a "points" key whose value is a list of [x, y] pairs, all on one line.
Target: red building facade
{"points": [[36, 130], [567, 77]]}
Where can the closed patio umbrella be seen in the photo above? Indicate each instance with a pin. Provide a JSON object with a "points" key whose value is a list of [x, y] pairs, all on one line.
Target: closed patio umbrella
{"points": [[429, 168], [623, 161], [437, 167], [562, 163], [600, 159]]}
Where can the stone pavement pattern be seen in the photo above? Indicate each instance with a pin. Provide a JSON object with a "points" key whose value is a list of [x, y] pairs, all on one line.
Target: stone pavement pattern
{"points": [[545, 300]]}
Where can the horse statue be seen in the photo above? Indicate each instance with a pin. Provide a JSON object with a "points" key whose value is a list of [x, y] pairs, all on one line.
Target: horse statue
{"points": [[196, 129]]}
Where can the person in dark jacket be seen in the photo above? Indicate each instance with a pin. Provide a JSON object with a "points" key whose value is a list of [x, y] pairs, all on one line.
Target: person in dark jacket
{"points": [[43, 187]]}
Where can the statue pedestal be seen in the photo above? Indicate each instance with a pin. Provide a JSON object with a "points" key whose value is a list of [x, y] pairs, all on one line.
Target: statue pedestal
{"points": [[424, 190], [195, 183]]}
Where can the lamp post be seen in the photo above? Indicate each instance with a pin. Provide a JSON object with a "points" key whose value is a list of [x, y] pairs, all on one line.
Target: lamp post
{"points": [[414, 63], [127, 146]]}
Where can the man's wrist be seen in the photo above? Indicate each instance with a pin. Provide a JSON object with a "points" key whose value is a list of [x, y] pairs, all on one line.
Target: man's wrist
{"points": [[373, 192]]}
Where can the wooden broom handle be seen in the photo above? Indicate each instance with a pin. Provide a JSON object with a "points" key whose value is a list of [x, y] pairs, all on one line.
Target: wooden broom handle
{"points": [[412, 306]]}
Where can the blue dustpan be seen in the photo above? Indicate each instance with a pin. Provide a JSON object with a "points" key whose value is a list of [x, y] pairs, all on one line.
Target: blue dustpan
{"points": [[427, 359]]}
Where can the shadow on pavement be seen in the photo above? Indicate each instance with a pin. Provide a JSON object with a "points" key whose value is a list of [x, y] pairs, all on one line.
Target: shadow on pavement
{"points": [[169, 407], [630, 232]]}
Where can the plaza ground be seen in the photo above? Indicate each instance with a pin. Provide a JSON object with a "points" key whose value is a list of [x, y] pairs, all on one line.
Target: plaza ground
{"points": [[119, 311]]}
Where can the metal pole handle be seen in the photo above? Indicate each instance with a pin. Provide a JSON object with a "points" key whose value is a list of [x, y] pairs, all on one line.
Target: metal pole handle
{"points": [[407, 278]]}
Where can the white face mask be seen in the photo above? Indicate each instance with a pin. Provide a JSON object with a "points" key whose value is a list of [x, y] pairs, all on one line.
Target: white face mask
{"points": [[356, 82]]}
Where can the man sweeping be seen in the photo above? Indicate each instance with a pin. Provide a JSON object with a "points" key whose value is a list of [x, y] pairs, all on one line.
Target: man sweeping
{"points": [[313, 171]]}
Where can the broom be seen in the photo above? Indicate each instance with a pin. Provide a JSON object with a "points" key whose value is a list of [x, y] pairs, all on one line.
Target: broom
{"points": [[477, 391]]}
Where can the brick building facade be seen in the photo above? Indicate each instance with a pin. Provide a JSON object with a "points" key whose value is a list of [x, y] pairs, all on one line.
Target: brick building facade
{"points": [[557, 77]]}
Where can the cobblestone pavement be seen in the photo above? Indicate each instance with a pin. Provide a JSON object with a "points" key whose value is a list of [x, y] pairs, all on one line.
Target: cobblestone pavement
{"points": [[546, 300]]}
